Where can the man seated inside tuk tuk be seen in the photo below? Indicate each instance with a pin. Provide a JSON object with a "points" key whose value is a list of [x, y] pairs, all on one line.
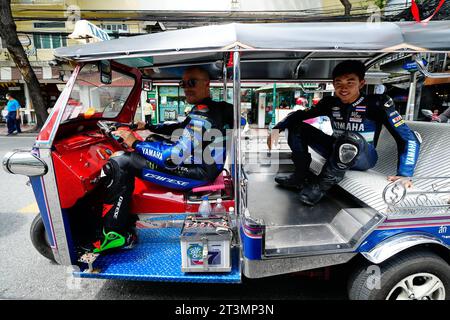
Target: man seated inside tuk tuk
{"points": [[356, 120], [186, 161]]}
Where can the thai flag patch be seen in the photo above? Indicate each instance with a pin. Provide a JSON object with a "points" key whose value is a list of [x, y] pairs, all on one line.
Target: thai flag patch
{"points": [[360, 108]]}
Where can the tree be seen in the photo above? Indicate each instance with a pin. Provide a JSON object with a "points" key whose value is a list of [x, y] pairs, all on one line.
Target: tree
{"points": [[8, 32]]}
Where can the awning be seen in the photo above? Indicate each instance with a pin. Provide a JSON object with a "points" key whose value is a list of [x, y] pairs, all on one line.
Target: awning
{"points": [[435, 81]]}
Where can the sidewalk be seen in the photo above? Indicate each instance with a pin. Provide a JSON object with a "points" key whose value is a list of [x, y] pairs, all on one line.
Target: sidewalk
{"points": [[25, 131]]}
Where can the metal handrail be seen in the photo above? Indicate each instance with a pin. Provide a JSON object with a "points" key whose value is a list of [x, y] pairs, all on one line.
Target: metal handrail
{"points": [[396, 193], [426, 73]]}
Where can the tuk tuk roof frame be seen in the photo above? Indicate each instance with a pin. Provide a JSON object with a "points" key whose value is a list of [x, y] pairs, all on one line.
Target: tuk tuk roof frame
{"points": [[269, 51], [293, 37]]}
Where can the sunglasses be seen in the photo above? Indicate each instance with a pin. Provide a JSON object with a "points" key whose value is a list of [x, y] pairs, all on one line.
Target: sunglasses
{"points": [[190, 83]]}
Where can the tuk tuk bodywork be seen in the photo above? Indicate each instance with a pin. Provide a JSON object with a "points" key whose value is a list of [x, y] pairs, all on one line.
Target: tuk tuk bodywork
{"points": [[285, 52]]}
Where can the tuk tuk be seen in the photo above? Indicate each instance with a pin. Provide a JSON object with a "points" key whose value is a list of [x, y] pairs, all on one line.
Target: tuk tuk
{"points": [[396, 240]]}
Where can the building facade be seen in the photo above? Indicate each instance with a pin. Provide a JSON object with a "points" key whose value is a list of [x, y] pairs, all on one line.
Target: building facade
{"points": [[44, 25]]}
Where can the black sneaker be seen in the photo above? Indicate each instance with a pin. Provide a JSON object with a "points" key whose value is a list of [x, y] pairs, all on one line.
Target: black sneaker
{"points": [[311, 194], [289, 182]]}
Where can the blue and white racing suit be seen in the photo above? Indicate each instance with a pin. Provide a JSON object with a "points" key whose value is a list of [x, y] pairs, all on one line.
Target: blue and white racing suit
{"points": [[194, 156], [365, 117], [197, 155]]}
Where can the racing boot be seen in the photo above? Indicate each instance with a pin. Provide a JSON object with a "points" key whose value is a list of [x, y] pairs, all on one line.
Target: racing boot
{"points": [[289, 182], [113, 240], [315, 191], [312, 194], [295, 181]]}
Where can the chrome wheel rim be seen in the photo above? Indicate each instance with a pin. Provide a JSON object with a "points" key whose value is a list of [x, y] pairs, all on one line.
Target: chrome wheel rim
{"points": [[419, 286]]}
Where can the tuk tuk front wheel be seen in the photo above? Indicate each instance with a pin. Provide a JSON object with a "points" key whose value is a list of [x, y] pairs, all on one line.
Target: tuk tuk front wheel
{"points": [[39, 238], [413, 275]]}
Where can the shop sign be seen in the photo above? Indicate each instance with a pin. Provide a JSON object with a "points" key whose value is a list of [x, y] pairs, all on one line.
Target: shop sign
{"points": [[412, 65], [85, 29], [147, 85], [168, 91], [308, 85], [170, 115], [246, 105]]}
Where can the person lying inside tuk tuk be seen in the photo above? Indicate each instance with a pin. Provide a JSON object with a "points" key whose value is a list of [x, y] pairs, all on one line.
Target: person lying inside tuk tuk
{"points": [[186, 161], [356, 120]]}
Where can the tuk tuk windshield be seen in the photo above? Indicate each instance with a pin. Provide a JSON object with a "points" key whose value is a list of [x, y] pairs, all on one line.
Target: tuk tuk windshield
{"points": [[90, 98]]}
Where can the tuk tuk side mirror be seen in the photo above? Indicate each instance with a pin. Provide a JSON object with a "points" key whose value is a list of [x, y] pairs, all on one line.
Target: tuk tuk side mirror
{"points": [[427, 113], [105, 72]]}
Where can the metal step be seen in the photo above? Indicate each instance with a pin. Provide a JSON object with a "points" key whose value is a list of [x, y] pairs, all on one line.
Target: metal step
{"points": [[343, 233]]}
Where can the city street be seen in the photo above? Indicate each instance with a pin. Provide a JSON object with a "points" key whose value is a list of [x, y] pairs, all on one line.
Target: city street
{"points": [[25, 274]]}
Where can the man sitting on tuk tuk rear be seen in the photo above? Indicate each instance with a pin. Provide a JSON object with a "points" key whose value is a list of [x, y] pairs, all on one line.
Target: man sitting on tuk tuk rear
{"points": [[171, 163], [356, 120]]}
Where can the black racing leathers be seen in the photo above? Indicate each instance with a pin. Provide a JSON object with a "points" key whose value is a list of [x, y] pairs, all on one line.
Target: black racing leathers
{"points": [[365, 116]]}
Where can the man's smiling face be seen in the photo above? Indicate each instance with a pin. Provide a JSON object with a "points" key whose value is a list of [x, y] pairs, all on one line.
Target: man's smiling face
{"points": [[347, 87]]}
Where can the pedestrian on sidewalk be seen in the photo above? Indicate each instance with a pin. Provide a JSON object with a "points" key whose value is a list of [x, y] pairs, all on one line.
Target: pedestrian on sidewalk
{"points": [[13, 117]]}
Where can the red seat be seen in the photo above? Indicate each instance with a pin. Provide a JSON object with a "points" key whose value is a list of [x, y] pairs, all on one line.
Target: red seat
{"points": [[216, 185]]}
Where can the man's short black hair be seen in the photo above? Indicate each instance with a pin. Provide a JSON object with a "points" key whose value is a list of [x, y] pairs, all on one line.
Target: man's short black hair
{"points": [[348, 67], [203, 71]]}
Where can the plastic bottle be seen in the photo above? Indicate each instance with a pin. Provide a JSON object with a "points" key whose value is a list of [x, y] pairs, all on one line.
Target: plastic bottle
{"points": [[232, 216], [205, 208], [219, 209]]}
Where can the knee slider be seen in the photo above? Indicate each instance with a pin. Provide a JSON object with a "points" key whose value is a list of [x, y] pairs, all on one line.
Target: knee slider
{"points": [[116, 171], [346, 150], [111, 172]]}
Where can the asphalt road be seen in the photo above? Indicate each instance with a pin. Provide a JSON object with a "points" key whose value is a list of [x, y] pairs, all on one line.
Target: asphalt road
{"points": [[25, 274]]}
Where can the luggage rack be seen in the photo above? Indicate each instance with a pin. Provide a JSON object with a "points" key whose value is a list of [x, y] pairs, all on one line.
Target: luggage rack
{"points": [[431, 197]]}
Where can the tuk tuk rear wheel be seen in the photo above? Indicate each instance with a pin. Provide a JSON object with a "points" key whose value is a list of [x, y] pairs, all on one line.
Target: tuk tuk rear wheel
{"points": [[39, 238], [412, 275]]}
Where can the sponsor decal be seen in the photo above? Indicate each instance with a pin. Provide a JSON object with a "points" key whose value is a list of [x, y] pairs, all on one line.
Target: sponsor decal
{"points": [[398, 124], [166, 179], [337, 114], [411, 155], [442, 229], [336, 108], [358, 102], [356, 119], [396, 119], [395, 113], [119, 204], [349, 126], [152, 153]]}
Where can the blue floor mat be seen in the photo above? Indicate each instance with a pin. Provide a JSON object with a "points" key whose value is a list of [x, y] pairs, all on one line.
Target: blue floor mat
{"points": [[156, 257]]}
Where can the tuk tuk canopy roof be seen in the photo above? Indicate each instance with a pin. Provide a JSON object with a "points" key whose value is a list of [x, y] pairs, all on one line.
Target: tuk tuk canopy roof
{"points": [[269, 50], [342, 36]]}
